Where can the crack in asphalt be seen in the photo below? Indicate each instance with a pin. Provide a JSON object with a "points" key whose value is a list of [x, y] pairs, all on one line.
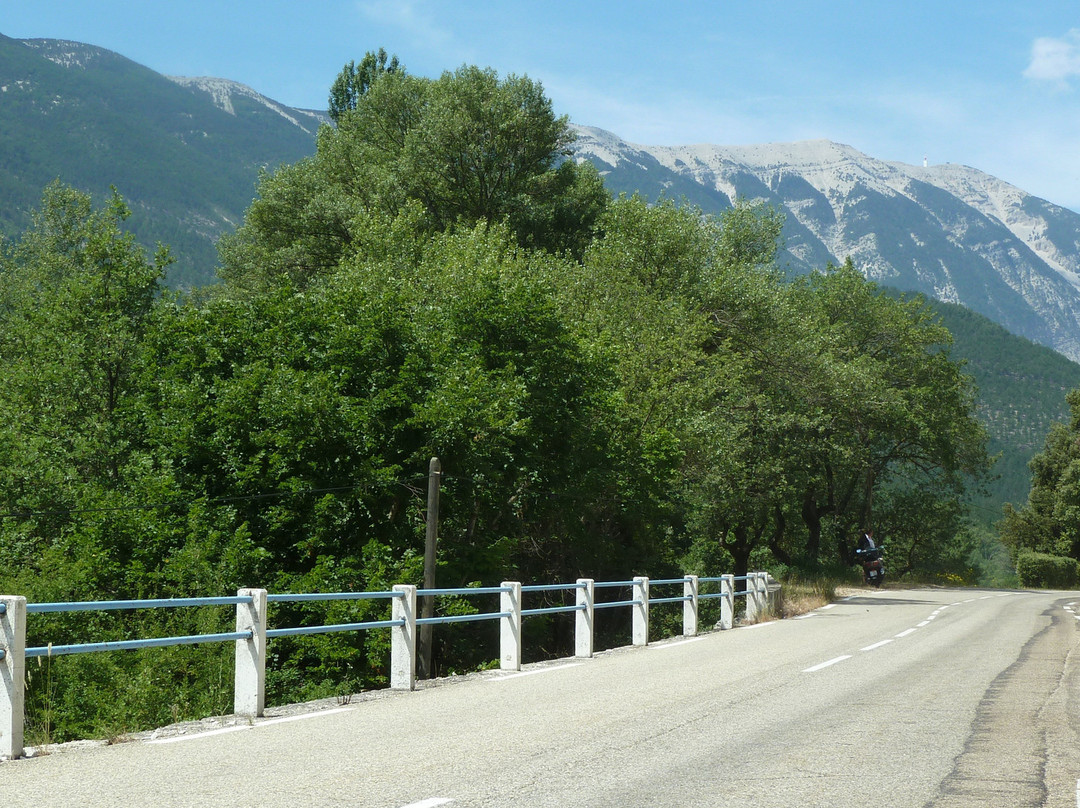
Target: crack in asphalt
{"points": [[1012, 723]]}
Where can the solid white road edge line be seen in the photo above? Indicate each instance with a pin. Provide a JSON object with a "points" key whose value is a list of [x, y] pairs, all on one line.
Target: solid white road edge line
{"points": [[431, 802], [533, 673], [827, 664], [676, 644], [198, 735], [286, 718]]}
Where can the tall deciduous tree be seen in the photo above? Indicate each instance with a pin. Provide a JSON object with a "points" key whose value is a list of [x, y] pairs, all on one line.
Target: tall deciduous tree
{"points": [[76, 293], [464, 148], [901, 414], [354, 80]]}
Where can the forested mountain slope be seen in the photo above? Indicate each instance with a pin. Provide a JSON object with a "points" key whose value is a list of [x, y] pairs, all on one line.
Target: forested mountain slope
{"points": [[185, 155], [1022, 389]]}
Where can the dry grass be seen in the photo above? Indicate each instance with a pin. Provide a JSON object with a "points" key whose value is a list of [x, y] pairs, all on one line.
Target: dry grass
{"points": [[800, 597]]}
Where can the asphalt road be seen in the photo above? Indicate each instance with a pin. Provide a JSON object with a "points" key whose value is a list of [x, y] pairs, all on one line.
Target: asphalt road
{"points": [[925, 697]]}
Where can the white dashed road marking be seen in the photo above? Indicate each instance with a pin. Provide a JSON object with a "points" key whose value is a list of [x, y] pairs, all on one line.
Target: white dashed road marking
{"points": [[875, 645], [827, 664]]}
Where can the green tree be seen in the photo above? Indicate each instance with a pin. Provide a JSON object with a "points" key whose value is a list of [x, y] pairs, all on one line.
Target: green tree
{"points": [[901, 414], [455, 151], [685, 306], [1049, 522], [81, 496], [76, 294], [354, 80]]}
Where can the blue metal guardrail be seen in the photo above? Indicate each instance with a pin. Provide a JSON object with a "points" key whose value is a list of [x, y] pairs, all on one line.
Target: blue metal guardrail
{"points": [[129, 645], [159, 603], [253, 631], [553, 588], [160, 642], [320, 596]]}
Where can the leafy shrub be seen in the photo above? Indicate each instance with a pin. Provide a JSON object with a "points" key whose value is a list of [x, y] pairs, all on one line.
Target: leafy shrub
{"points": [[1047, 571]]}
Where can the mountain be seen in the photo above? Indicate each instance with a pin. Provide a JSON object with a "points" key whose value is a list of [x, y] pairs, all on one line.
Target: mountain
{"points": [[951, 232], [1022, 389], [184, 153]]}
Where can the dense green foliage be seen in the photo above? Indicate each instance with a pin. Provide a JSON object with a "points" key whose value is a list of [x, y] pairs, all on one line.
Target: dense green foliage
{"points": [[354, 80], [613, 388], [1050, 520], [428, 154], [187, 169], [1043, 570]]}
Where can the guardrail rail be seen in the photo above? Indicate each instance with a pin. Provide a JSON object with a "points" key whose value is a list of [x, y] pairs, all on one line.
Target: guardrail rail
{"points": [[252, 632]]}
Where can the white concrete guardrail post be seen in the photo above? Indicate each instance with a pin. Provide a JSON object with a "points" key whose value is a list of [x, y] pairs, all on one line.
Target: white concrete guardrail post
{"points": [[754, 606], [12, 674], [583, 622], [690, 607], [249, 688], [750, 615], [727, 601], [641, 610], [774, 595], [510, 626], [763, 593], [403, 639]]}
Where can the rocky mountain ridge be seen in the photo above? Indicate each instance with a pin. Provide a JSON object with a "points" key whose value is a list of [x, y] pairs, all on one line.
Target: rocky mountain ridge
{"points": [[224, 91], [949, 231], [186, 153]]}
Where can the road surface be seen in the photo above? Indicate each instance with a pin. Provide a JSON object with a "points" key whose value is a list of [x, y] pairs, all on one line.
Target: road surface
{"points": [[921, 697]]}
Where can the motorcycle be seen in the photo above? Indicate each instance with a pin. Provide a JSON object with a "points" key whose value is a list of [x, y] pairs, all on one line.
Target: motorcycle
{"points": [[872, 565]]}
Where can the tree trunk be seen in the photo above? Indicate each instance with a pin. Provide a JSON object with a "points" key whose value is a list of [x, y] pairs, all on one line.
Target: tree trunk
{"points": [[779, 553]]}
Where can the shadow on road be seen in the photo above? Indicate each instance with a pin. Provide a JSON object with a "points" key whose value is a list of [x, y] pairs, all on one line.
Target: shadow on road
{"points": [[870, 600]]}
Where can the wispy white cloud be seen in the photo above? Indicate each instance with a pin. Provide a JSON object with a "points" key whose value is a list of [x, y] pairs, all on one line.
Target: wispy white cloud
{"points": [[413, 18], [1055, 60]]}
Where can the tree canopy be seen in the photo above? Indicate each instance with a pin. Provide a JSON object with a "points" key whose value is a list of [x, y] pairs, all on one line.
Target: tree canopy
{"points": [[354, 80], [462, 149]]}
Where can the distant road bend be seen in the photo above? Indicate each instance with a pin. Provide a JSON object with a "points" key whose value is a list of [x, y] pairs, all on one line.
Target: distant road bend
{"points": [[908, 698]]}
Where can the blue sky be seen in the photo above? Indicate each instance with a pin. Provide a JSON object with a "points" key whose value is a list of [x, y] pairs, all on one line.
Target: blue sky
{"points": [[993, 84]]}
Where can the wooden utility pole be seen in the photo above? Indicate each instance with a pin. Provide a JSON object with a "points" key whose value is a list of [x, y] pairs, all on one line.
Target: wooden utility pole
{"points": [[431, 538]]}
